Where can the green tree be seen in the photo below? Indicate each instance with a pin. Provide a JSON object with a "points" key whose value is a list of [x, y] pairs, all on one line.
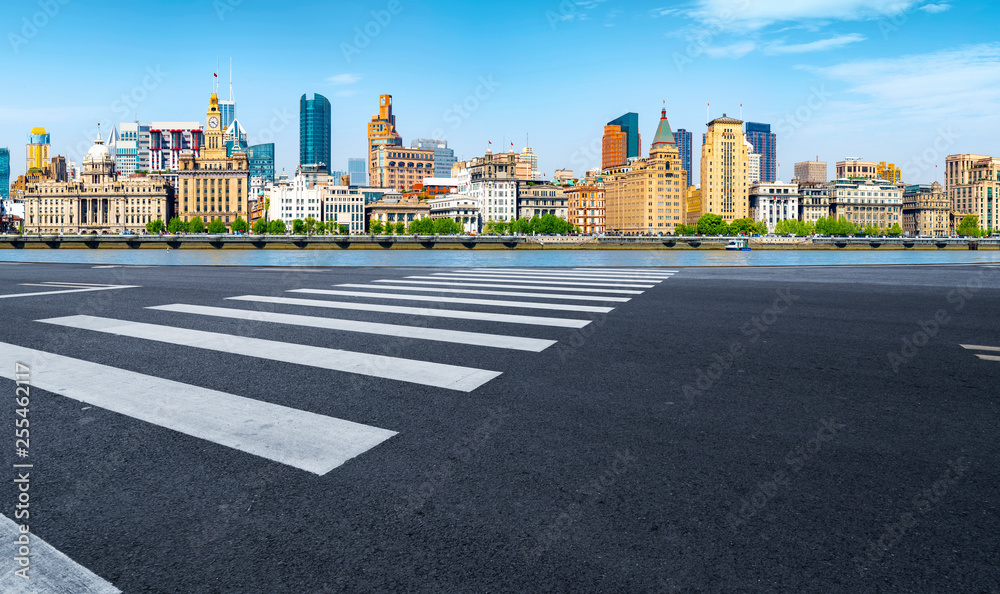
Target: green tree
{"points": [[276, 227], [894, 231], [375, 227], [760, 228], [969, 227], [712, 224], [342, 229], [309, 224], [870, 230], [240, 225], [260, 226], [154, 226], [216, 226], [741, 226], [421, 226], [196, 225], [298, 227], [400, 228], [176, 225], [321, 227]]}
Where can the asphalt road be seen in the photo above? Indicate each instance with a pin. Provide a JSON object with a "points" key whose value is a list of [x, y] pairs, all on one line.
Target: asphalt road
{"points": [[800, 429]]}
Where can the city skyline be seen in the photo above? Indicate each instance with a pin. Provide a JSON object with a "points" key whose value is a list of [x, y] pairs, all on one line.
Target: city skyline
{"points": [[830, 81]]}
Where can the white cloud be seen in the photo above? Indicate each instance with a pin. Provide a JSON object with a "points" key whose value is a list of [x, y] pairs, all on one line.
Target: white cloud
{"points": [[736, 50], [346, 93], [344, 79], [814, 46], [935, 8], [756, 14]]}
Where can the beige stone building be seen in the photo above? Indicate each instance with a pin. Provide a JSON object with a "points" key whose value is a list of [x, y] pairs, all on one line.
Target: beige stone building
{"points": [[814, 201], [586, 207], [647, 197], [539, 199], [694, 210], [725, 170], [400, 168], [866, 202], [926, 211], [97, 202], [811, 171], [857, 169], [397, 209], [213, 185], [972, 185]]}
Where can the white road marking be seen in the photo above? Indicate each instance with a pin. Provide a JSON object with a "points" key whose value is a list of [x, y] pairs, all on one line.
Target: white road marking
{"points": [[50, 571], [529, 280], [425, 373], [976, 347], [504, 286], [462, 300], [988, 357], [567, 279], [421, 311], [481, 292], [470, 338], [55, 285], [290, 270], [40, 293], [304, 440], [565, 272]]}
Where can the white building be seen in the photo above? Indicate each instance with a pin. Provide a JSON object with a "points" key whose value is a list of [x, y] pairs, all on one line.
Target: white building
{"points": [[774, 201], [167, 140], [344, 205], [462, 208], [294, 199], [529, 157], [497, 198], [753, 164]]}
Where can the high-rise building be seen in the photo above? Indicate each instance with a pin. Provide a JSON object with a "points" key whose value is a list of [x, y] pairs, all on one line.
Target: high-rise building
{"points": [[724, 170], [621, 141], [444, 157], [684, 140], [753, 165], [357, 169], [972, 184], [381, 133], [529, 158], [813, 172], [314, 131], [764, 144], [4, 173], [856, 169], [167, 140], [235, 138], [647, 196], [261, 161], [213, 185], [38, 150], [889, 172]]}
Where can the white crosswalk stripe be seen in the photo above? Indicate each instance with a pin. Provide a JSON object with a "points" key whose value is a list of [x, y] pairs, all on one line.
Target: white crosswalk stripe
{"points": [[65, 289], [301, 439], [499, 341], [483, 292], [462, 300], [566, 279], [444, 283], [532, 281], [567, 272], [425, 373], [420, 311], [990, 349]]}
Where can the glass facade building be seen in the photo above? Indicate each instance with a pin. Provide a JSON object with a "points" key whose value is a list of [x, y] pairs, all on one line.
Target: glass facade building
{"points": [[444, 157], [684, 139], [314, 131], [629, 124], [763, 141], [4, 173], [261, 158], [357, 168]]}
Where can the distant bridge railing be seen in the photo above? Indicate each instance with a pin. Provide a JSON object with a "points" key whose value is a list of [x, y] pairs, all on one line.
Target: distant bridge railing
{"points": [[258, 241]]}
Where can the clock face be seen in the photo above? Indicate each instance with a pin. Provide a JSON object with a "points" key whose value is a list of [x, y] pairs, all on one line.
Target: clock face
{"points": [[213, 122]]}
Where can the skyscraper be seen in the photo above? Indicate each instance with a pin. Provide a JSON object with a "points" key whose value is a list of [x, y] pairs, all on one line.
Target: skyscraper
{"points": [[261, 161], [621, 140], [381, 132], [683, 138], [763, 141], [37, 149], [444, 157], [314, 131], [724, 170], [357, 168], [4, 173]]}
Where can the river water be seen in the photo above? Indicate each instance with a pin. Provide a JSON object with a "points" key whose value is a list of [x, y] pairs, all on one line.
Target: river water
{"points": [[160, 257]]}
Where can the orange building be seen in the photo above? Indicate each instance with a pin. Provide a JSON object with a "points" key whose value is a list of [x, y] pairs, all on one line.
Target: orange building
{"points": [[586, 207], [613, 147]]}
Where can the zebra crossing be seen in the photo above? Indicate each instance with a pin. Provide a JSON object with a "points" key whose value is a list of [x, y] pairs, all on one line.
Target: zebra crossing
{"points": [[988, 349], [491, 297]]}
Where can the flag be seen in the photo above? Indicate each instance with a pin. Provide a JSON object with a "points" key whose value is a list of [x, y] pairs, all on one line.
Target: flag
{"points": [[489, 142], [215, 74]]}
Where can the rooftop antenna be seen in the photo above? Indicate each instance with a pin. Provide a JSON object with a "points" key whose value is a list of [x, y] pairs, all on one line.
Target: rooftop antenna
{"points": [[741, 111], [708, 111], [216, 77], [231, 79]]}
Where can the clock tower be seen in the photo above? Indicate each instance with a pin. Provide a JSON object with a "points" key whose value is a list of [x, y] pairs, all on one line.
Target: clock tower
{"points": [[215, 146]]}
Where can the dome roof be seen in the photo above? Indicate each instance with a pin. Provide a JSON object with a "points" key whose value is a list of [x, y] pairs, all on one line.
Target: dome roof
{"points": [[98, 153]]}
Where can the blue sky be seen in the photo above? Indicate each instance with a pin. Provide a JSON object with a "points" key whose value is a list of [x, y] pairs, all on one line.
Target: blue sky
{"points": [[896, 80]]}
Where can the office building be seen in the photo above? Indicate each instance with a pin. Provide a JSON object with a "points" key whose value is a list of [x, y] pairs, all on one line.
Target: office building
{"points": [[492, 180], [683, 138], [866, 202], [773, 202], [357, 168], [764, 144], [381, 133], [889, 172], [213, 185], [725, 170], [395, 209], [261, 161], [621, 141], [647, 196], [586, 206], [444, 157], [344, 206], [814, 201], [37, 151], [167, 140], [972, 185], [753, 165], [536, 199], [926, 211], [4, 173], [457, 207], [235, 138], [314, 131], [530, 160], [811, 171], [857, 169]]}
